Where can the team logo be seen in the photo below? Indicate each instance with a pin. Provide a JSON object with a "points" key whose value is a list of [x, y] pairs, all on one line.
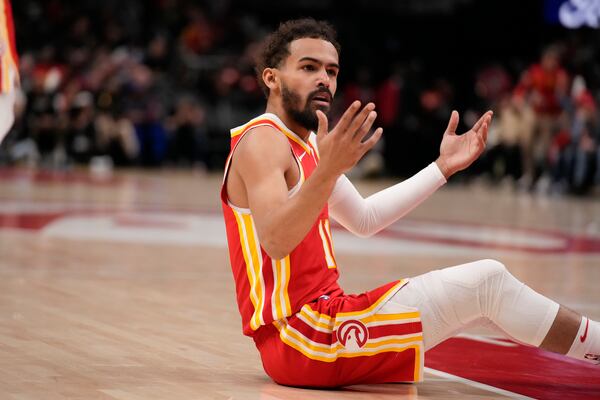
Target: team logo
{"points": [[352, 334]]}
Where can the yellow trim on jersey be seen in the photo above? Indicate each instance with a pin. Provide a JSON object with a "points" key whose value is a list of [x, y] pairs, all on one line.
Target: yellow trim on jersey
{"points": [[6, 45], [340, 317], [257, 263], [249, 270], [330, 353], [313, 319], [302, 177], [275, 298], [391, 317], [8, 63], [380, 301], [295, 139], [418, 376], [338, 347], [237, 131], [253, 260], [328, 256], [280, 298], [286, 297], [313, 146], [328, 233]]}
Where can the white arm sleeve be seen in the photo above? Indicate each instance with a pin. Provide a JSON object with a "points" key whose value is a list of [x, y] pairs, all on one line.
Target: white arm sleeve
{"points": [[365, 217]]}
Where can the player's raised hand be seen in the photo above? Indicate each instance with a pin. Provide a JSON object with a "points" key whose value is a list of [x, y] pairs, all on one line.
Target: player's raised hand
{"points": [[457, 152], [342, 147]]}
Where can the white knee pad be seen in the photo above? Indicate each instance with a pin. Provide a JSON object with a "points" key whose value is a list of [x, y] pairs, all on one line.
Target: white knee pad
{"points": [[452, 299], [474, 288], [486, 289]]}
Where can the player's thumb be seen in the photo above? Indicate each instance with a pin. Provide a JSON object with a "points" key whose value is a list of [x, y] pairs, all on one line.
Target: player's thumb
{"points": [[453, 123], [323, 124]]}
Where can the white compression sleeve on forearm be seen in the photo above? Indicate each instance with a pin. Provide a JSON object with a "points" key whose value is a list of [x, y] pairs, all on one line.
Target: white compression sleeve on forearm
{"points": [[365, 217]]}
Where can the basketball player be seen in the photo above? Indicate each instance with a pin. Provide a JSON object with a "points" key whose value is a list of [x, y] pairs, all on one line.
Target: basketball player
{"points": [[9, 72], [283, 180]]}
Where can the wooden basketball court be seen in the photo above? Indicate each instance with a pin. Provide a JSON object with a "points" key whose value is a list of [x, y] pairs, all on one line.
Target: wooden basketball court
{"points": [[119, 287]]}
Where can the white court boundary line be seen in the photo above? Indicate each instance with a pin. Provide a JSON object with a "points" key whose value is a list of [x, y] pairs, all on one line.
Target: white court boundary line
{"points": [[475, 384], [486, 339]]}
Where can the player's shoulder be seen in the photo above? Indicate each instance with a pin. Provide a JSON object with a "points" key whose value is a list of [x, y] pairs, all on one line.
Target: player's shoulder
{"points": [[263, 138], [266, 127], [263, 145]]}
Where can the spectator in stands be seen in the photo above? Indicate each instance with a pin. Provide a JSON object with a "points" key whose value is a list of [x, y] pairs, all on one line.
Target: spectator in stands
{"points": [[574, 151], [545, 85], [187, 139], [511, 139]]}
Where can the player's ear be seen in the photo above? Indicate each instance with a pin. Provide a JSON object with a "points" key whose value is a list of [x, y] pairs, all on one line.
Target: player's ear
{"points": [[270, 78]]}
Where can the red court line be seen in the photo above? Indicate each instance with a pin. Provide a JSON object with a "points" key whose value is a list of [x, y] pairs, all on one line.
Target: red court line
{"points": [[568, 243], [520, 369], [28, 221], [62, 177]]}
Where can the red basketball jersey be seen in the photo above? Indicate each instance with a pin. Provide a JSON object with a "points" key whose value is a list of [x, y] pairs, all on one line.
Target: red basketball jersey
{"points": [[269, 290], [9, 60]]}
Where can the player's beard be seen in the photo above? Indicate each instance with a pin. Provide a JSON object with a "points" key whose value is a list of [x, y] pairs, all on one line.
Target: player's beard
{"points": [[305, 116]]}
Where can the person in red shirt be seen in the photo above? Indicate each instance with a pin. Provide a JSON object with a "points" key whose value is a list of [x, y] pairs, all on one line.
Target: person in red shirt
{"points": [[544, 85], [284, 178]]}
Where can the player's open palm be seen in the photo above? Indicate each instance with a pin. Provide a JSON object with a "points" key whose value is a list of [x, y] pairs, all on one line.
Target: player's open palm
{"points": [[457, 152], [344, 146]]}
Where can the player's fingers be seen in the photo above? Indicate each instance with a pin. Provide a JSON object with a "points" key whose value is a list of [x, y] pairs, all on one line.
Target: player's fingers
{"points": [[369, 143], [360, 118], [483, 128], [480, 138], [485, 116], [452, 123], [347, 117], [365, 127], [323, 124], [486, 128]]}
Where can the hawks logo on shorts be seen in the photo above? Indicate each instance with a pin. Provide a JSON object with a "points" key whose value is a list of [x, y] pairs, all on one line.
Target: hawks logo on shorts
{"points": [[352, 334]]}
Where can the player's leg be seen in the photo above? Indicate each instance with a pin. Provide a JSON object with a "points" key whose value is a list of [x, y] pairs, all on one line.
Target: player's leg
{"points": [[452, 299]]}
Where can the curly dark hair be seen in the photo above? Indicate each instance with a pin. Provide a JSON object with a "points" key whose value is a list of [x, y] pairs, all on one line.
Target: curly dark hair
{"points": [[276, 47]]}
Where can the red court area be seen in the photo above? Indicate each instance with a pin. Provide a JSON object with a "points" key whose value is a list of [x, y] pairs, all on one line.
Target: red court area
{"points": [[519, 369]]}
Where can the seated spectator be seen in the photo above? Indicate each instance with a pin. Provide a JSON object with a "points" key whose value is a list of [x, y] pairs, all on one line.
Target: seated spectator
{"points": [[117, 139], [187, 141], [508, 152]]}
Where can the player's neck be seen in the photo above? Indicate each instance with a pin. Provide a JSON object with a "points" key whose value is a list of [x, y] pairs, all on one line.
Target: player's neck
{"points": [[298, 129]]}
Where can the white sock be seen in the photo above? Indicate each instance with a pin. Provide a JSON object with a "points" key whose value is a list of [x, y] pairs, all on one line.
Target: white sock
{"points": [[586, 345]]}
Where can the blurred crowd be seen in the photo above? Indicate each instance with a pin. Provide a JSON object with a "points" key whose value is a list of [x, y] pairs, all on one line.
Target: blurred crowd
{"points": [[547, 133], [160, 83], [136, 83]]}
